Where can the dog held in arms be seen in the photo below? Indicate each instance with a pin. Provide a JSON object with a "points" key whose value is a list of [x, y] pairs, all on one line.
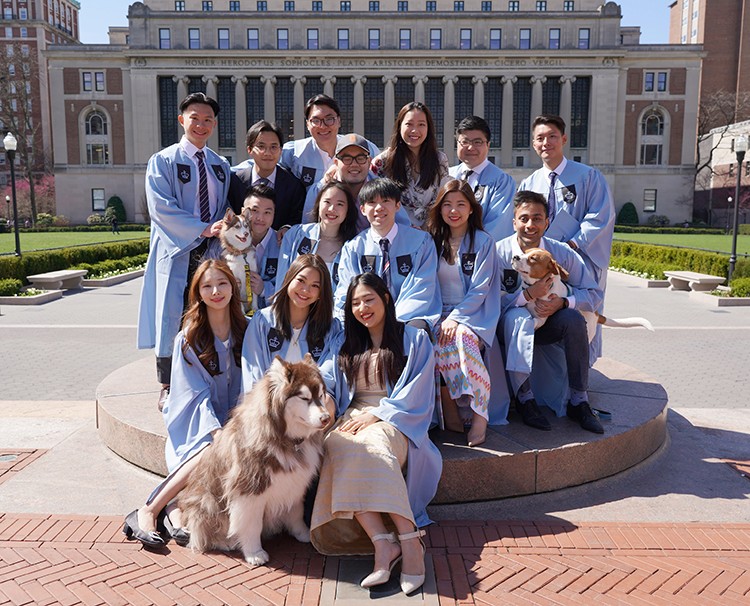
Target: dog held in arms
{"points": [[252, 480], [536, 263], [239, 253]]}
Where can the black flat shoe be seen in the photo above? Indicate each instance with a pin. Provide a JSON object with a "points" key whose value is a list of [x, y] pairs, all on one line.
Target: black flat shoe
{"points": [[179, 535], [532, 416], [133, 531], [585, 416]]}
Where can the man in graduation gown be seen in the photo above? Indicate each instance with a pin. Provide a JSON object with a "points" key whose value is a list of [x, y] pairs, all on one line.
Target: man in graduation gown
{"points": [[186, 192]]}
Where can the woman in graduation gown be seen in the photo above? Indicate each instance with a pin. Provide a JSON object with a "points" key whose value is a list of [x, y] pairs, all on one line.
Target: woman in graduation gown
{"points": [[205, 386], [383, 383]]}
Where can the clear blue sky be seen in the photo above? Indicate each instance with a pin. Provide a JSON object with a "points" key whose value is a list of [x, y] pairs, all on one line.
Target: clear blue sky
{"points": [[97, 15]]}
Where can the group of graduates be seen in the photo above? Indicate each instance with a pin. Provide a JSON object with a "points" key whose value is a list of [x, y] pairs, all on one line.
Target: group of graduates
{"points": [[394, 271]]}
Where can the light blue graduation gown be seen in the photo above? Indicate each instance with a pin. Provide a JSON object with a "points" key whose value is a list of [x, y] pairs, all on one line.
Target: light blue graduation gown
{"points": [[409, 407], [263, 342], [302, 157], [585, 214], [171, 192], [301, 240], [414, 264], [495, 190], [548, 362], [198, 403]]}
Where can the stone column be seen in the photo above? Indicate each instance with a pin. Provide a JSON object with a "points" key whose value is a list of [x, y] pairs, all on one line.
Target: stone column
{"points": [[328, 82], [211, 82], [449, 116], [182, 87], [419, 82], [269, 97], [479, 82], [359, 104], [506, 142], [240, 118], [389, 111], [299, 106], [57, 113], [536, 95], [566, 104]]}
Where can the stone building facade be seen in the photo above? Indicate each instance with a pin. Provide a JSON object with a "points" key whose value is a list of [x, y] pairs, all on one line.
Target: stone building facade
{"points": [[631, 107]]}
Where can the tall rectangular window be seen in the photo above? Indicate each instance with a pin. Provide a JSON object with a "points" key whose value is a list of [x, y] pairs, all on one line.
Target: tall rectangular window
{"points": [[234, 6], [86, 77], [403, 6], [661, 83], [98, 81], [486, 6], [458, 6], [282, 39], [346, 6], [312, 39], [343, 39], [262, 6], [223, 40], [208, 5], [496, 39], [98, 201], [554, 38], [317, 6], [584, 35], [648, 82], [524, 39], [179, 5], [404, 39], [569, 5], [253, 42], [513, 6], [430, 6], [541, 5], [288, 6], [194, 38], [649, 200], [373, 39], [436, 39], [374, 6], [23, 14], [465, 41], [165, 38]]}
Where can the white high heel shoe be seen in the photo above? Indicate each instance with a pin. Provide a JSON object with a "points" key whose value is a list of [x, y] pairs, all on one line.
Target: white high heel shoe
{"points": [[380, 576], [411, 582]]}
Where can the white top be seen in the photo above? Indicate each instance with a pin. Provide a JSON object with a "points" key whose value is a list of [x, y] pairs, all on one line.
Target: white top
{"points": [[294, 353], [451, 285]]}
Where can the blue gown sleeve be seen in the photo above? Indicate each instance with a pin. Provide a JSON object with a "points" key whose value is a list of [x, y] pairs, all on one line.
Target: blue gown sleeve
{"points": [[347, 270], [286, 254], [256, 357], [597, 225], [419, 297], [499, 203]]}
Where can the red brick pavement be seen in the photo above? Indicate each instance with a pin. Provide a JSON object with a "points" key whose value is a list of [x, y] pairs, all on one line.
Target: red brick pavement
{"points": [[46, 559]]}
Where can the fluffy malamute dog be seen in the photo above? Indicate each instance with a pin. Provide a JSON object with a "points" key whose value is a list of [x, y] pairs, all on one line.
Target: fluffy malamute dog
{"points": [[238, 251], [252, 480]]}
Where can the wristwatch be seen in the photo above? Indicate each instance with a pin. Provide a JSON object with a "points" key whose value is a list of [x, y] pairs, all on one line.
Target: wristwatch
{"points": [[566, 303]]}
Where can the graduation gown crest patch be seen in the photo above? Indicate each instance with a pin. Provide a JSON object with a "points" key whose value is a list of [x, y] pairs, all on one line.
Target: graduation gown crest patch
{"points": [[479, 192], [183, 172], [307, 176], [274, 340], [305, 247], [271, 267], [219, 172], [468, 261], [367, 263], [404, 264], [511, 280], [568, 194]]}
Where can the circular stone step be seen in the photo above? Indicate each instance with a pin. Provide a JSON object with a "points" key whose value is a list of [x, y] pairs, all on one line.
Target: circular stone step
{"points": [[515, 460]]}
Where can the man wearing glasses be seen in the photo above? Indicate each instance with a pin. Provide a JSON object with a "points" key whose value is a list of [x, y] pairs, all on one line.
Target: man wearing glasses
{"points": [[493, 188], [310, 158], [264, 147]]}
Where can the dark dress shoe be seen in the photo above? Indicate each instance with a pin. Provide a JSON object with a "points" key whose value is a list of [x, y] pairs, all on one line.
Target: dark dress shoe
{"points": [[132, 530], [532, 416], [585, 416], [179, 535]]}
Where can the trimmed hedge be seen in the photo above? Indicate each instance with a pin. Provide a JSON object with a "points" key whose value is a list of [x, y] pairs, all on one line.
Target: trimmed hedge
{"points": [[629, 229], [52, 260], [10, 287], [126, 227], [96, 269], [628, 215], [667, 258], [740, 287], [744, 229]]}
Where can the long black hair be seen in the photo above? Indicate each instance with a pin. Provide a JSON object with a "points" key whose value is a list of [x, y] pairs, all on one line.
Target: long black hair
{"points": [[399, 154], [357, 346], [348, 229], [438, 228]]}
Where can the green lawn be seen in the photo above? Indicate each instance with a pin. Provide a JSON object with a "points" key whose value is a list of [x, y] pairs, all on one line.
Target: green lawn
{"points": [[716, 243], [42, 240]]}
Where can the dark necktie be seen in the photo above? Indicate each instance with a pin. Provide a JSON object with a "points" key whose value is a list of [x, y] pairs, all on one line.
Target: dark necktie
{"points": [[467, 174], [551, 202], [203, 188], [385, 248], [263, 181]]}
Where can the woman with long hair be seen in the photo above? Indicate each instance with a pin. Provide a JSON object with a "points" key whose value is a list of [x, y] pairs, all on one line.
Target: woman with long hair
{"points": [[383, 384], [336, 213], [470, 315], [205, 386], [413, 159], [299, 321]]}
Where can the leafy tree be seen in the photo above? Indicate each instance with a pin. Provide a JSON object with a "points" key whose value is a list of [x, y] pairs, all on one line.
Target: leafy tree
{"points": [[118, 207], [628, 215]]}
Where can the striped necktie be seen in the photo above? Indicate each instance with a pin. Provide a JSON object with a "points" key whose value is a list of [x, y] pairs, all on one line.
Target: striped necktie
{"points": [[551, 200], [385, 248], [203, 188]]}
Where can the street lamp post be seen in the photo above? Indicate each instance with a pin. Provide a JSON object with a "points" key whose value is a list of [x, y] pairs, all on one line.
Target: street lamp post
{"points": [[740, 147], [7, 206], [10, 144]]}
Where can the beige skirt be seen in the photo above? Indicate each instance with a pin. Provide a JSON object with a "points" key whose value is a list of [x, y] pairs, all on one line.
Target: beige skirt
{"points": [[361, 472]]}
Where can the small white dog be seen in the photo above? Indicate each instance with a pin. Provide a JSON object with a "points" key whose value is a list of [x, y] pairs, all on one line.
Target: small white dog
{"points": [[252, 480], [239, 253], [536, 263]]}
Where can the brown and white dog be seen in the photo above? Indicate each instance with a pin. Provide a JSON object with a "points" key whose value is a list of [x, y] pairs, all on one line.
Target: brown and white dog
{"points": [[238, 251], [536, 263], [252, 480]]}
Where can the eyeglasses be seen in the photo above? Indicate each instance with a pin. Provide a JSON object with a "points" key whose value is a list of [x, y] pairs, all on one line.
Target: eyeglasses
{"points": [[328, 121], [360, 159], [274, 149], [472, 142]]}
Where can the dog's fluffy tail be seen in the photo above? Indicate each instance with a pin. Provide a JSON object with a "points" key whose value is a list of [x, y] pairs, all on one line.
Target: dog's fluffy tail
{"points": [[626, 322]]}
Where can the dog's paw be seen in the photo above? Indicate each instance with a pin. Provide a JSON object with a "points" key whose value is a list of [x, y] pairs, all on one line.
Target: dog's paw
{"points": [[302, 535], [259, 558]]}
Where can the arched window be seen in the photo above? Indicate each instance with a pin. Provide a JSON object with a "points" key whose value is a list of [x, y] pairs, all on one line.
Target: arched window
{"points": [[96, 137], [96, 124], [653, 137], [653, 123]]}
